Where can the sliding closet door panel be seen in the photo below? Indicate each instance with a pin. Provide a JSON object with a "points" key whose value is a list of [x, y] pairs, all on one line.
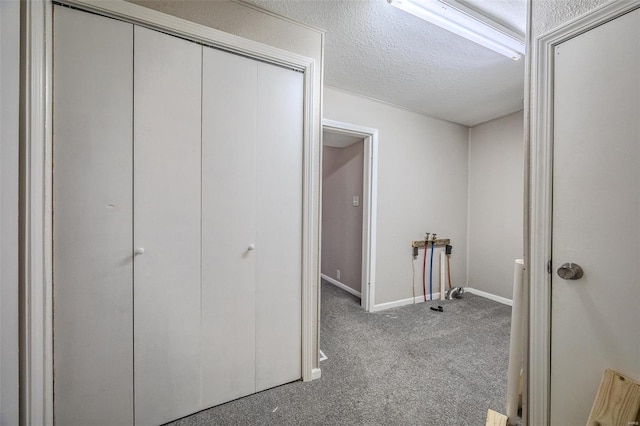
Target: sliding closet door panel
{"points": [[228, 226], [279, 226], [167, 117], [92, 204]]}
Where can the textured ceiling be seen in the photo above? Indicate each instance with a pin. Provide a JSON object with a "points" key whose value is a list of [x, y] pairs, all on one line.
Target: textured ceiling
{"points": [[378, 51]]}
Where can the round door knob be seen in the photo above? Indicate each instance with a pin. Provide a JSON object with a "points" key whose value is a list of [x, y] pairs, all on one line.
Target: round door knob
{"points": [[138, 251], [251, 247], [570, 271]]}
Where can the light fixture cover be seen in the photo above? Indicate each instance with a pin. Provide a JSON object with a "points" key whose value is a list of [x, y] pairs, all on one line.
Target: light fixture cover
{"points": [[459, 19]]}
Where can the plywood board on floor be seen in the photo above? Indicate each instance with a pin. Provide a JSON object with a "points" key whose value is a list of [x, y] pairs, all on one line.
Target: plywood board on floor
{"points": [[617, 402], [496, 419]]}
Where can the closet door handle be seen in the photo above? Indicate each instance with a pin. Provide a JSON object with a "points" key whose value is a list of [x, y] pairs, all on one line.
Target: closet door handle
{"points": [[138, 251], [251, 247]]}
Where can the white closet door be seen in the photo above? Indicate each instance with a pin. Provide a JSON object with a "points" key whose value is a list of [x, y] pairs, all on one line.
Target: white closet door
{"points": [[596, 185], [279, 226], [228, 226], [92, 233], [167, 97]]}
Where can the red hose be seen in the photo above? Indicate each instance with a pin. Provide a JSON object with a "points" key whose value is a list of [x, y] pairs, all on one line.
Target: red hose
{"points": [[424, 273]]}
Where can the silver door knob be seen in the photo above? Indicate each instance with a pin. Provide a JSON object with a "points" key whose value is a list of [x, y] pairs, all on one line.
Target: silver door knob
{"points": [[138, 251], [570, 271], [251, 247]]}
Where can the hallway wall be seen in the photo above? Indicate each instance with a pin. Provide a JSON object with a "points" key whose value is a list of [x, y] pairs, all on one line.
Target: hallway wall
{"points": [[342, 179]]}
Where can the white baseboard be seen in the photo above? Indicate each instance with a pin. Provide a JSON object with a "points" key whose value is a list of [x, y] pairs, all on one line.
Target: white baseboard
{"points": [[403, 302], [490, 296], [436, 296], [316, 373], [341, 285]]}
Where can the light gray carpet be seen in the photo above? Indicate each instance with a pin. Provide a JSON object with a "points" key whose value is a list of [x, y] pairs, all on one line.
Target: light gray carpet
{"points": [[402, 366]]}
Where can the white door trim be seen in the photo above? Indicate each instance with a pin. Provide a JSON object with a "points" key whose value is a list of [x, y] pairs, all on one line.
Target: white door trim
{"points": [[36, 266], [541, 201], [36, 337], [369, 204]]}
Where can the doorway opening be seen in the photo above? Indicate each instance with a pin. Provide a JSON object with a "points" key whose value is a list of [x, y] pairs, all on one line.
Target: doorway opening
{"points": [[349, 175]]}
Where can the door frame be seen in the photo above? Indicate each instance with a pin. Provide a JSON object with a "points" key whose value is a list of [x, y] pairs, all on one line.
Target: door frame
{"points": [[540, 198], [369, 204], [36, 322]]}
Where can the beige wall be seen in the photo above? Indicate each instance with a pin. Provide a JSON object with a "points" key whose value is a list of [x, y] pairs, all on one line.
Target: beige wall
{"points": [[9, 84], [255, 24], [496, 172], [342, 178], [422, 186], [245, 21]]}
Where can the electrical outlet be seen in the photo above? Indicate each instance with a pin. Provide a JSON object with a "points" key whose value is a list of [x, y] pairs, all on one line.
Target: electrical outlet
{"points": [[338, 274]]}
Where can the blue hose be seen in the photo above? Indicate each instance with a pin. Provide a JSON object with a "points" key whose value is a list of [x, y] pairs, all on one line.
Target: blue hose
{"points": [[431, 273]]}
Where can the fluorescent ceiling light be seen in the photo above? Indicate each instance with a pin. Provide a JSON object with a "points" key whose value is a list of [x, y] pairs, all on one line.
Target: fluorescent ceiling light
{"points": [[467, 23]]}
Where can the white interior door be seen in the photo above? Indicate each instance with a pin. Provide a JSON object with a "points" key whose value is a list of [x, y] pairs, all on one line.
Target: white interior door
{"points": [[177, 224], [252, 226], [92, 232], [596, 214], [167, 117], [279, 227], [229, 111]]}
